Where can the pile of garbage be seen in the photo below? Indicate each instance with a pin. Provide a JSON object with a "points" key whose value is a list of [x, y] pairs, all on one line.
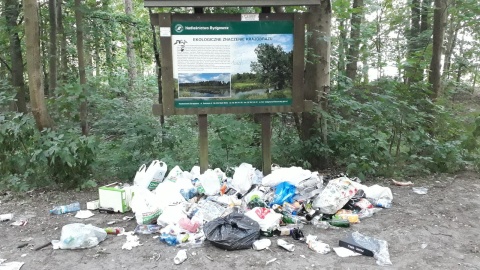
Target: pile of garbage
{"points": [[187, 208]]}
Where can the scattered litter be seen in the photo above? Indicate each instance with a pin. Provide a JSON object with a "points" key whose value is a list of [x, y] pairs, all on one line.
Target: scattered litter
{"points": [[132, 241], [114, 230], [10, 265], [63, 209], [28, 239], [367, 246], [208, 257], [424, 246], [78, 235], [344, 252], [303, 256], [127, 218], [398, 183], [84, 214], [6, 217], [23, 255], [270, 261], [181, 256], [111, 222], [317, 246], [262, 244], [147, 229], [22, 245], [284, 244], [420, 190], [19, 223], [93, 205]]}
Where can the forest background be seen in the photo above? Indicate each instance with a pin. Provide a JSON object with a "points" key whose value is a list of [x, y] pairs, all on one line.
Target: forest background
{"points": [[396, 93]]}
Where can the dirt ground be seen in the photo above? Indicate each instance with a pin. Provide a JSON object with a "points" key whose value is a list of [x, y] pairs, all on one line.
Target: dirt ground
{"points": [[439, 230]]}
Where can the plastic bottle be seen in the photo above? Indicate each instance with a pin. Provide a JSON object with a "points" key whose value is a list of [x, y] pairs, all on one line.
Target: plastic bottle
{"points": [[383, 203], [340, 223], [73, 207]]}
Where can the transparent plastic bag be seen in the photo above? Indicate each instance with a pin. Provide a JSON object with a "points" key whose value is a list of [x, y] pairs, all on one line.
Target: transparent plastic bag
{"points": [[78, 236], [377, 246]]}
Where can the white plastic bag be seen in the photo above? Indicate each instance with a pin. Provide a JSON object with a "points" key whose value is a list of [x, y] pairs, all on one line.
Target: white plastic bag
{"points": [[377, 192], [174, 174], [168, 193], [292, 175], [267, 222], [145, 206], [171, 215], [210, 182], [156, 173], [140, 179], [78, 235], [243, 177], [335, 195]]}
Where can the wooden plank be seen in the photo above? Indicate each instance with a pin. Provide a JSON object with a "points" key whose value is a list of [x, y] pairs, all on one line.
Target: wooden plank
{"points": [[298, 62], [229, 17], [266, 122], [154, 19], [167, 67], [228, 3], [203, 141]]}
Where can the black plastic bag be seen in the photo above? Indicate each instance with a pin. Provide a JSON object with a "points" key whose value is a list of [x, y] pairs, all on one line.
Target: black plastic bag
{"points": [[235, 231]]}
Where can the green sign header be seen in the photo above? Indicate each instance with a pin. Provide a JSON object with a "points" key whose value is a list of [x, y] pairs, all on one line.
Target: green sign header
{"points": [[232, 28]]}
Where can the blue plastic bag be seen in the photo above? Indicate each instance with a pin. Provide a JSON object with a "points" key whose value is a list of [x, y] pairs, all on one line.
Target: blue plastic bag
{"points": [[284, 192]]}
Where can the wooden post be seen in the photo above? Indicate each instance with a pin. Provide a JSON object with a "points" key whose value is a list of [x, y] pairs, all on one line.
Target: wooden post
{"points": [[266, 121], [203, 141]]}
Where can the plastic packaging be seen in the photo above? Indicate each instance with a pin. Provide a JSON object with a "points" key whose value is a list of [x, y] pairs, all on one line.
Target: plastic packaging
{"points": [[317, 246], [420, 190], [266, 218], [78, 235], [284, 192], [147, 229], [335, 195], [292, 175], [181, 256], [169, 239], [145, 206], [378, 192], [6, 217], [233, 232], [189, 225], [383, 203], [155, 174], [243, 177], [377, 246], [140, 177], [210, 182], [284, 244], [261, 244], [58, 210]]}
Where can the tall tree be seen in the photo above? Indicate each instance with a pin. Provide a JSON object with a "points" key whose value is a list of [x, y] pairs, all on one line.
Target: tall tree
{"points": [[52, 63], [317, 76], [81, 67], [354, 49], [63, 40], [132, 71], [34, 67], [438, 32], [12, 12]]}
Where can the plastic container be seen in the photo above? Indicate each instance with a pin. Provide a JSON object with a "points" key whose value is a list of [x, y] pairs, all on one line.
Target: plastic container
{"points": [[383, 203], [284, 244], [189, 225], [58, 210], [181, 256]]}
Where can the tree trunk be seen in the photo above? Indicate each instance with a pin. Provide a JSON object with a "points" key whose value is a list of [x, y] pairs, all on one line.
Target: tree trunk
{"points": [[412, 71], [63, 42], [354, 49], [438, 31], [81, 67], [341, 53], [317, 77], [461, 60], [158, 65], [449, 47], [132, 71], [52, 65], [34, 66], [17, 69], [44, 53]]}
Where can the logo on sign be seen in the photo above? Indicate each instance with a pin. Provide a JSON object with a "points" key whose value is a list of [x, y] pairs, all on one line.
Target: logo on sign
{"points": [[178, 28]]}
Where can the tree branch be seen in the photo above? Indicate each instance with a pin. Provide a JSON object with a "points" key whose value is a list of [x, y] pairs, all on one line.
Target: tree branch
{"points": [[6, 64]]}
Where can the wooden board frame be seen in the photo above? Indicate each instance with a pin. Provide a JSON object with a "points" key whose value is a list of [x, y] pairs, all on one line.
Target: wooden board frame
{"points": [[228, 3], [167, 107]]}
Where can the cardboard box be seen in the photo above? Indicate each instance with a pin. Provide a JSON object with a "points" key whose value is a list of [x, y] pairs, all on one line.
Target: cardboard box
{"points": [[113, 197], [350, 243]]}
